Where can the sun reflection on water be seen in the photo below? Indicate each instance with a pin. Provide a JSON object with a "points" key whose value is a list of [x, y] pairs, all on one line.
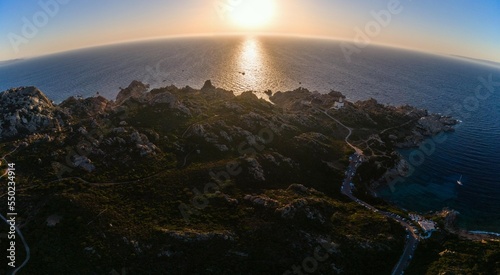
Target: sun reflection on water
{"points": [[250, 55], [249, 60], [251, 67]]}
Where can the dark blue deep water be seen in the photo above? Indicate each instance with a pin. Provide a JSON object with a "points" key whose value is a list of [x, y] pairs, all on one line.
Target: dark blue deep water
{"points": [[392, 76]]}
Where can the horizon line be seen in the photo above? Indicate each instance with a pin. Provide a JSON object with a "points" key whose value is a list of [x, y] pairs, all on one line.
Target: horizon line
{"points": [[298, 35]]}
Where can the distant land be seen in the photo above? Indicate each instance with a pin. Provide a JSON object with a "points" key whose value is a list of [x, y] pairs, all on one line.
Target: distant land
{"points": [[10, 61], [484, 61]]}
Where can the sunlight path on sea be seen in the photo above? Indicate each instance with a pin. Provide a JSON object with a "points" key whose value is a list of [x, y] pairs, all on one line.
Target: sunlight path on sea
{"points": [[251, 66]]}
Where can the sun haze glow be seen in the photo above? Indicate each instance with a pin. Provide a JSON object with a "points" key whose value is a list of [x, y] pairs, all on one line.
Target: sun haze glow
{"points": [[253, 14], [468, 28]]}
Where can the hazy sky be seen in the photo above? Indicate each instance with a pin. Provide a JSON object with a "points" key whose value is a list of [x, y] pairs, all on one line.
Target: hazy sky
{"points": [[462, 27]]}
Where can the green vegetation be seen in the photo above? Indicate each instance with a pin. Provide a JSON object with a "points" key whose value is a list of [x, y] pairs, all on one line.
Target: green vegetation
{"points": [[447, 254], [184, 181]]}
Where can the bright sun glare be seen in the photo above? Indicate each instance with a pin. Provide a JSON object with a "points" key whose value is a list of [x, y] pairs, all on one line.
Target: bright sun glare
{"points": [[253, 13]]}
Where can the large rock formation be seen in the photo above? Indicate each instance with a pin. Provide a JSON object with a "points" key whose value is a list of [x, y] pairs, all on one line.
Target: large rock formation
{"points": [[87, 107], [434, 124], [136, 90], [26, 110]]}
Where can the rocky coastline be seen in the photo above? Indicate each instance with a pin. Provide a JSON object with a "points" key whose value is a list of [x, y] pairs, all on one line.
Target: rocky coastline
{"points": [[26, 110], [162, 173], [450, 220], [28, 115]]}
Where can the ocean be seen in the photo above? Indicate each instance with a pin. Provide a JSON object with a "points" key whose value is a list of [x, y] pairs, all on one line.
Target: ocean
{"points": [[447, 85]]}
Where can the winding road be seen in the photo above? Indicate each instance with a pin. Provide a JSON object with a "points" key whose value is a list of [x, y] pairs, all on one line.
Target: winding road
{"points": [[358, 151], [346, 189], [412, 238]]}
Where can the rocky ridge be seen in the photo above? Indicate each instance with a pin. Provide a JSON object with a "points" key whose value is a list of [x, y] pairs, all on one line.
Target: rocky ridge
{"points": [[246, 172], [26, 110]]}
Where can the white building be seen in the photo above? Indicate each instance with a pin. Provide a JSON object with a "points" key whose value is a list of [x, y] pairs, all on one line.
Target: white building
{"points": [[427, 225], [339, 104]]}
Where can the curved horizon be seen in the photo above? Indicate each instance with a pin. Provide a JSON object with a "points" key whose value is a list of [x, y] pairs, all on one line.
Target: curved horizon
{"points": [[244, 34], [40, 27]]}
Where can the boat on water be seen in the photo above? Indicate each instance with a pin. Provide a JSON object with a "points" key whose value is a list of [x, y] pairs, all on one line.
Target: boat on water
{"points": [[460, 181]]}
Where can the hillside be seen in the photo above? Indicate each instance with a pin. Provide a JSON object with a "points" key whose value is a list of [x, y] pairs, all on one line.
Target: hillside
{"points": [[200, 181]]}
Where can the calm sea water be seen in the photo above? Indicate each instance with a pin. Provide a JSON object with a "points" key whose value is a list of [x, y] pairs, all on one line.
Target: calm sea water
{"points": [[392, 76]]}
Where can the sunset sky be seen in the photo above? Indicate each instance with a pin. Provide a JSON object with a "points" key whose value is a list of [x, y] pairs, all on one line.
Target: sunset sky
{"points": [[461, 27]]}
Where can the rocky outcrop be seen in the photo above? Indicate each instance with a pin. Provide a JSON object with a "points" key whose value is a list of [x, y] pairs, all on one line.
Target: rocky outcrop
{"points": [[255, 169], [195, 236], [300, 207], [84, 163], [208, 86], [302, 99], [164, 98], [262, 201], [135, 90], [296, 208], [26, 110], [142, 143], [427, 126], [299, 189], [434, 124], [82, 108]]}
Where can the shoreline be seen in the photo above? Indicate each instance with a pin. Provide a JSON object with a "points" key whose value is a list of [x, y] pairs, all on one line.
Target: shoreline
{"points": [[474, 235], [484, 233], [450, 218], [401, 169], [451, 226]]}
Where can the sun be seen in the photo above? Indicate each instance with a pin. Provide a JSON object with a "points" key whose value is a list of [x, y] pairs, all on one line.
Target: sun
{"points": [[251, 14]]}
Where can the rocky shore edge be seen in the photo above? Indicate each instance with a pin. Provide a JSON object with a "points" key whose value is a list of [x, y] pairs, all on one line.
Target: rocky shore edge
{"points": [[27, 111], [423, 139], [306, 122], [450, 218]]}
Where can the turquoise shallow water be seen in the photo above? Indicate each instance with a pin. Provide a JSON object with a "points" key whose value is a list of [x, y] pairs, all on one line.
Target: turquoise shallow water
{"points": [[392, 76]]}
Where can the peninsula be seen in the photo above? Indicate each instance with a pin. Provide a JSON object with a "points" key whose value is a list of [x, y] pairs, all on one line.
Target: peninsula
{"points": [[201, 181]]}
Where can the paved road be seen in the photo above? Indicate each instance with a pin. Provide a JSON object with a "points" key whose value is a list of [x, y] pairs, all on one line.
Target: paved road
{"points": [[346, 189], [412, 237], [404, 261]]}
